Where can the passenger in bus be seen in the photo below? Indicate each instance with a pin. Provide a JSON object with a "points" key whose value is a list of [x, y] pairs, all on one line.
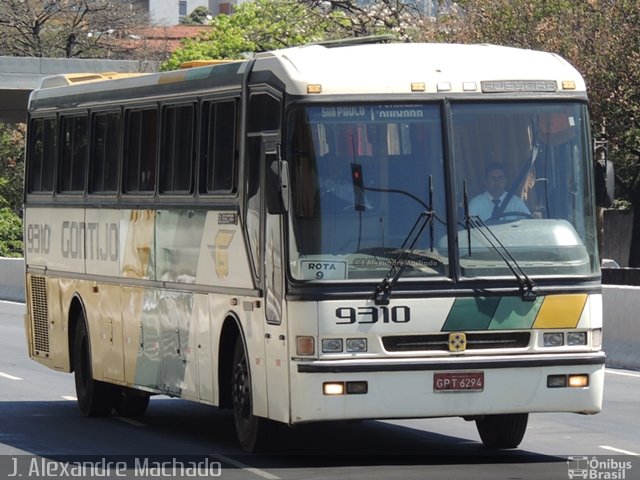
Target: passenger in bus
{"points": [[489, 205]]}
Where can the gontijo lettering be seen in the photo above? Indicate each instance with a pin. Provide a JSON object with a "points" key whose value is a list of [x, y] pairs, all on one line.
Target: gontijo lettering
{"points": [[92, 241]]}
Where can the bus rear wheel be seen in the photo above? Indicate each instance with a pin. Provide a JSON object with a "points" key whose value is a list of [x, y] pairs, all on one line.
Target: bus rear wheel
{"points": [[502, 431], [249, 428], [95, 398]]}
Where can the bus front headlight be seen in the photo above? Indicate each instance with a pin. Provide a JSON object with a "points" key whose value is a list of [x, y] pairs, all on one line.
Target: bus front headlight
{"points": [[576, 338], [553, 339], [356, 345]]}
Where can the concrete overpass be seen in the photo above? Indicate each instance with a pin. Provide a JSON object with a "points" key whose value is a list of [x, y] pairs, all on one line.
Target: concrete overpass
{"points": [[20, 75]]}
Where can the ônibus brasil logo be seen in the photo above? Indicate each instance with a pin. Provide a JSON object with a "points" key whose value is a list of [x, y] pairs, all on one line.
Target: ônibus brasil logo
{"points": [[598, 468]]}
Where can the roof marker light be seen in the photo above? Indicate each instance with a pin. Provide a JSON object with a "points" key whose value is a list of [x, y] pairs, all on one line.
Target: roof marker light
{"points": [[469, 86], [568, 85], [444, 86], [314, 88], [418, 87]]}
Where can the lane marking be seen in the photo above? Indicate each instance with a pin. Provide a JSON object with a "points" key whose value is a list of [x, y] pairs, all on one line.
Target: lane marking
{"points": [[625, 374], [69, 397], [619, 450], [10, 377], [247, 468], [131, 421]]}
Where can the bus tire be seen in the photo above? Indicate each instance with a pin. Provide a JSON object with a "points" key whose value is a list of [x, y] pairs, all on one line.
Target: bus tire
{"points": [[249, 428], [95, 398], [502, 431], [129, 402]]}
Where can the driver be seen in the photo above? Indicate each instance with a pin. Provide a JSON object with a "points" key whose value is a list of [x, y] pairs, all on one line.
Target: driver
{"points": [[489, 205]]}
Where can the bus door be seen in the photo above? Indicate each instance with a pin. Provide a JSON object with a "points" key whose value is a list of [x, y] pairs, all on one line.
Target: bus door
{"points": [[264, 229], [275, 325]]}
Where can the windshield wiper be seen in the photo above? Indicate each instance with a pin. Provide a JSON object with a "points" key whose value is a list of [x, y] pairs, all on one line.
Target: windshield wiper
{"points": [[383, 289], [528, 289]]}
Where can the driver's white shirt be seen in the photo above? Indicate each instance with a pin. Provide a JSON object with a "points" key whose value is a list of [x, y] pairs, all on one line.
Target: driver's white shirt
{"points": [[482, 206]]}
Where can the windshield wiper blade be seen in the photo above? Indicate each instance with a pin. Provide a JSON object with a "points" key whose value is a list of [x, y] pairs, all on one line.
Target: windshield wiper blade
{"points": [[528, 289], [383, 289]]}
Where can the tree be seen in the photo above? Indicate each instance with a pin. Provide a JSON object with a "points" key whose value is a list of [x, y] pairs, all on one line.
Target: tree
{"points": [[263, 25], [68, 28], [12, 139], [11, 173], [258, 26], [380, 17]]}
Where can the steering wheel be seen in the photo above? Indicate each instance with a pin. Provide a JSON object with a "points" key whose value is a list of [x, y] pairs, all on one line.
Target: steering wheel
{"points": [[512, 214]]}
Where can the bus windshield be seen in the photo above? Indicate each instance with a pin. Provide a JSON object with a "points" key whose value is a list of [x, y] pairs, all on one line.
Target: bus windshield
{"points": [[368, 190]]}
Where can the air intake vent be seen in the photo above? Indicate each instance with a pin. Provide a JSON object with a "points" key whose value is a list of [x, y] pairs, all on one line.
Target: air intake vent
{"points": [[440, 342], [39, 316]]}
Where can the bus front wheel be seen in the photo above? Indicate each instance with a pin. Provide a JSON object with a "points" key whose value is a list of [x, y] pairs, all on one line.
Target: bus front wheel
{"points": [[95, 398], [249, 428], [502, 431]]}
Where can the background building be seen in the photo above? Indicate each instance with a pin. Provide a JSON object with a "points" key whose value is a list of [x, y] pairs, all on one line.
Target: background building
{"points": [[169, 12]]}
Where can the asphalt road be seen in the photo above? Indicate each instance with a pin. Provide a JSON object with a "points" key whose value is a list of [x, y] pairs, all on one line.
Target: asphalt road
{"points": [[42, 435]]}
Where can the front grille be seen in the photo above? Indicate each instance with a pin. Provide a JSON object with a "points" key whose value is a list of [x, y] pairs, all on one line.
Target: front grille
{"points": [[39, 315], [440, 341]]}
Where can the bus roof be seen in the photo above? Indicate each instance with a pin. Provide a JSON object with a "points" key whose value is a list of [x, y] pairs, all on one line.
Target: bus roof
{"points": [[395, 67], [392, 68]]}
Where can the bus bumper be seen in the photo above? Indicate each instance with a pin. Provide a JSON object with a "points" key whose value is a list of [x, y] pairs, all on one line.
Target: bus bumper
{"points": [[412, 388]]}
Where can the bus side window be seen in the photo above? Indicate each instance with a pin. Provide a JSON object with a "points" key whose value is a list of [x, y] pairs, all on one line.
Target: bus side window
{"points": [[141, 129], [105, 152], [219, 133], [42, 153], [177, 153], [73, 162]]}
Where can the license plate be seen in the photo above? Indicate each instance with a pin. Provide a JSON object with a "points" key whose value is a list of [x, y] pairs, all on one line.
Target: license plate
{"points": [[458, 382]]}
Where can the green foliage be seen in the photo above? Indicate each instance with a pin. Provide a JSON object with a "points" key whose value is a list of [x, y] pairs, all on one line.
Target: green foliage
{"points": [[259, 26], [10, 234], [227, 42], [623, 205], [11, 180], [12, 139]]}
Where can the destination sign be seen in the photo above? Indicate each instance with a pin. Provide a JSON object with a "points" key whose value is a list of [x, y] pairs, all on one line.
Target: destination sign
{"points": [[364, 113]]}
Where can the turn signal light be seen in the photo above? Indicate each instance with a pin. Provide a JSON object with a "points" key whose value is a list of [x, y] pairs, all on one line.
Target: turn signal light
{"points": [[305, 345]]}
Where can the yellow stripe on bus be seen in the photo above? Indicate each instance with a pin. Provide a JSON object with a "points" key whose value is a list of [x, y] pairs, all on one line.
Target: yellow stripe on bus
{"points": [[560, 311]]}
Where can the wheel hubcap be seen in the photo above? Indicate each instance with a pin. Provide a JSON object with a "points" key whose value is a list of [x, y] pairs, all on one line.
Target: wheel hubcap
{"points": [[241, 391]]}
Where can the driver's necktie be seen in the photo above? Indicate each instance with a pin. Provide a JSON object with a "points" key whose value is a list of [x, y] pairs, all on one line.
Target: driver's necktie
{"points": [[496, 207]]}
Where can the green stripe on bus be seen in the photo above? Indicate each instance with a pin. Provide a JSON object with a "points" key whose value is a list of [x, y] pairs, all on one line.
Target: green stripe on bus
{"points": [[471, 314], [514, 313], [492, 313]]}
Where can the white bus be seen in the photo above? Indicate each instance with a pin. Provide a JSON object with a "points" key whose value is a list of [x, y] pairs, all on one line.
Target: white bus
{"points": [[297, 237]]}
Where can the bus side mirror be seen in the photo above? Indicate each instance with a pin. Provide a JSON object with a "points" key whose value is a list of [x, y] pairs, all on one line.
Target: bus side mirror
{"points": [[277, 184], [284, 184], [604, 183], [273, 187]]}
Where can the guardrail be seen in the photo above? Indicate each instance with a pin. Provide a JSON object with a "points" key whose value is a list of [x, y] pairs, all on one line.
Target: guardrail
{"points": [[621, 303], [621, 335], [12, 279]]}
